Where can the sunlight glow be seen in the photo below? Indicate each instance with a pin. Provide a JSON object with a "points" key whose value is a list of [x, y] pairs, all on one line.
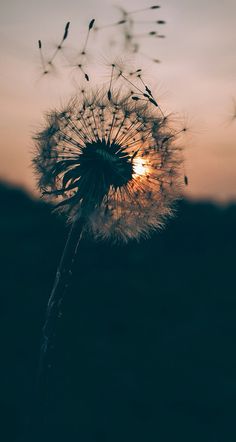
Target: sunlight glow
{"points": [[139, 166]]}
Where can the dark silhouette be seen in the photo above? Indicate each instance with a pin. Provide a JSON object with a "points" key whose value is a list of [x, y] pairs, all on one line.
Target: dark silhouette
{"points": [[145, 347]]}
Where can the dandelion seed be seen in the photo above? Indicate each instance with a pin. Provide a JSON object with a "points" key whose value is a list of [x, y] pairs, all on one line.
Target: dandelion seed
{"points": [[59, 46], [110, 84], [121, 22], [66, 31], [90, 26], [80, 67], [148, 90], [153, 101], [43, 63], [129, 81]]}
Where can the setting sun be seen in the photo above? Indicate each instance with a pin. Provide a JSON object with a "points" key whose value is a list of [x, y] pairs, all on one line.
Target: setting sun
{"points": [[139, 166]]}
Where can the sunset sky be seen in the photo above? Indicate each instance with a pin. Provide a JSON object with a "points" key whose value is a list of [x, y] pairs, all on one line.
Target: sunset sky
{"points": [[196, 78]]}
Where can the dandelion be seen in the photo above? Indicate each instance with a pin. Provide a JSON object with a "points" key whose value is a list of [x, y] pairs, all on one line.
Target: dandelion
{"points": [[112, 162]]}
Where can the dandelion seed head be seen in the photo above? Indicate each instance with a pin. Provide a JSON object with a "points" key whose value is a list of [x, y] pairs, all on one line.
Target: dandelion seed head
{"points": [[114, 162]]}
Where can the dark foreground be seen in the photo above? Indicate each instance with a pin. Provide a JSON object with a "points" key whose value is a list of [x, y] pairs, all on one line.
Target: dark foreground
{"points": [[146, 345]]}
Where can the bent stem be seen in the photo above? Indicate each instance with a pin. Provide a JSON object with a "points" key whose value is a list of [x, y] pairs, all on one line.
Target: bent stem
{"points": [[54, 313]]}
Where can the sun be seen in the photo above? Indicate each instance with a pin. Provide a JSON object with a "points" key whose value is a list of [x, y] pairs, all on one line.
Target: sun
{"points": [[139, 167]]}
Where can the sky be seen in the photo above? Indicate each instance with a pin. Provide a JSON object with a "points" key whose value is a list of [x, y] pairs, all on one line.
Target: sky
{"points": [[196, 79]]}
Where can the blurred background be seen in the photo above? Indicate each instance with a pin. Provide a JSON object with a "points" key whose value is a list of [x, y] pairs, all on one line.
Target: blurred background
{"points": [[146, 344]]}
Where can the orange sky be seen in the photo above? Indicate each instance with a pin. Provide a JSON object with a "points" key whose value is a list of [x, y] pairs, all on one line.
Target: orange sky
{"points": [[197, 78]]}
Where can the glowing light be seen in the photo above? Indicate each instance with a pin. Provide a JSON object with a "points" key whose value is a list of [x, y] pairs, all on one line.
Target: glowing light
{"points": [[139, 166]]}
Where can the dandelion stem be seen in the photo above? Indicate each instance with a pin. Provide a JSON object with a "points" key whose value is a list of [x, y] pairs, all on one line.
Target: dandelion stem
{"points": [[53, 314], [61, 283]]}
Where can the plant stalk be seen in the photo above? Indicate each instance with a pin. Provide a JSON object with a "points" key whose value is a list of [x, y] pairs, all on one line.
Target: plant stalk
{"points": [[53, 314]]}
